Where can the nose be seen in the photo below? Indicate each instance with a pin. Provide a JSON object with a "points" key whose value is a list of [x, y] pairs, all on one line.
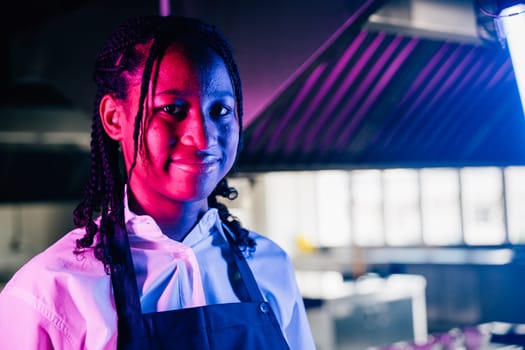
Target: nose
{"points": [[197, 130]]}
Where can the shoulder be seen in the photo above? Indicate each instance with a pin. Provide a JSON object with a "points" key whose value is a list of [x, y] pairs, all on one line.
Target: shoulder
{"points": [[272, 268], [55, 262], [60, 298], [53, 282], [266, 245], [271, 255]]}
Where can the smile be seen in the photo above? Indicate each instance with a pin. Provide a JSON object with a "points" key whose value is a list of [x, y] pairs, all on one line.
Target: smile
{"points": [[192, 165]]}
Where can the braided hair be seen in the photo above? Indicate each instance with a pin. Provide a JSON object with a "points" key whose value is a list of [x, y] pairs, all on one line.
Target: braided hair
{"points": [[136, 43]]}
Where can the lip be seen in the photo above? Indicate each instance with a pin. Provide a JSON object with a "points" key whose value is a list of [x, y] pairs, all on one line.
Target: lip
{"points": [[196, 165]]}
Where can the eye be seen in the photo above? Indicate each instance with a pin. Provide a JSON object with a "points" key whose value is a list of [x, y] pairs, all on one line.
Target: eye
{"points": [[219, 110], [178, 110]]}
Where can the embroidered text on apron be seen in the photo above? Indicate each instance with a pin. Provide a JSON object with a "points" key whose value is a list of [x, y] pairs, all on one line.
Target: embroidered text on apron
{"points": [[249, 324]]}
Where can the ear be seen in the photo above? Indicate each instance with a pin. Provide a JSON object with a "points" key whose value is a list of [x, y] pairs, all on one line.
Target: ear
{"points": [[112, 116]]}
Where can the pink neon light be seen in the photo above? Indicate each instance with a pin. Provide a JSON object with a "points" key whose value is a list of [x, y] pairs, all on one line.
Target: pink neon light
{"points": [[342, 91], [299, 100], [327, 86], [380, 85]]}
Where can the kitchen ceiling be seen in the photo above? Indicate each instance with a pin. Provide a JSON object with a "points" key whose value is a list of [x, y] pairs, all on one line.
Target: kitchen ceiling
{"points": [[393, 94]]}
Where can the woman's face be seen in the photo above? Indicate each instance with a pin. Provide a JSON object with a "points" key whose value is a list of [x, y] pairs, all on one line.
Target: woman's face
{"points": [[191, 131]]}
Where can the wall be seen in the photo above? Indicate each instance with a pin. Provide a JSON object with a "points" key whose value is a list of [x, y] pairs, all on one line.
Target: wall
{"points": [[28, 228]]}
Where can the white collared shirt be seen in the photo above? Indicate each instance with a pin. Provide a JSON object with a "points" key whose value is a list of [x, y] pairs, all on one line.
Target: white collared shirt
{"points": [[59, 300]]}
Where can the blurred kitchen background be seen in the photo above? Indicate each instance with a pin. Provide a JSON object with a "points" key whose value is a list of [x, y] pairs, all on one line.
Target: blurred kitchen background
{"points": [[384, 150]]}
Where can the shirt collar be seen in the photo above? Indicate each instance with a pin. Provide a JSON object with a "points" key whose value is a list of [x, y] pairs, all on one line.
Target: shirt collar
{"points": [[209, 223], [144, 226]]}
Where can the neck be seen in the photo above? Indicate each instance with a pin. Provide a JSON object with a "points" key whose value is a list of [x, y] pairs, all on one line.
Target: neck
{"points": [[175, 219]]}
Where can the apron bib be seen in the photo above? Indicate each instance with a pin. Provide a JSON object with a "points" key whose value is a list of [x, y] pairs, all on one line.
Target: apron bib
{"points": [[249, 324]]}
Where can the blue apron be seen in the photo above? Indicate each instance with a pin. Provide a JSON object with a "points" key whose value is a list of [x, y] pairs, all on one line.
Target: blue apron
{"points": [[249, 324]]}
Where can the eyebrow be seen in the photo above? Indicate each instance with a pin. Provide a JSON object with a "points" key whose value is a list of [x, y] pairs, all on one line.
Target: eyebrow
{"points": [[184, 93], [177, 92], [172, 92]]}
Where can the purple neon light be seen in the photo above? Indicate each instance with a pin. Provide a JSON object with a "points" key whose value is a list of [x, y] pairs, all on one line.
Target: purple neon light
{"points": [[271, 146], [491, 66], [458, 66], [381, 84], [471, 71], [423, 76], [503, 69], [407, 131], [263, 127], [342, 91], [480, 128], [447, 92], [326, 87], [450, 132], [454, 103], [476, 86], [415, 116], [510, 77], [452, 79], [487, 91], [311, 60], [438, 77], [491, 126], [346, 113], [418, 90]]}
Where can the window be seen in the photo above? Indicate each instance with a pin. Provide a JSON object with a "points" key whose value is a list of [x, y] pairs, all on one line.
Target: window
{"points": [[483, 211], [367, 207], [402, 210], [440, 206], [390, 207], [333, 207], [515, 195]]}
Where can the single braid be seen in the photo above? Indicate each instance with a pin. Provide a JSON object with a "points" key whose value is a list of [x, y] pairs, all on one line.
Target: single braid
{"points": [[242, 236], [157, 47], [84, 212]]}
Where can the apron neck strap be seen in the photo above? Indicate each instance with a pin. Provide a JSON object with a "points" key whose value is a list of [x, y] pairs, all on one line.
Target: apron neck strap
{"points": [[244, 281], [124, 281]]}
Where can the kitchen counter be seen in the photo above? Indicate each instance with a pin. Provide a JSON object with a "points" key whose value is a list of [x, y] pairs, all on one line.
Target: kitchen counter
{"points": [[369, 311]]}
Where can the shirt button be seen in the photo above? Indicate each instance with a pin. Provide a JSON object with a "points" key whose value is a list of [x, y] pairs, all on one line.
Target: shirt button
{"points": [[264, 307], [237, 276]]}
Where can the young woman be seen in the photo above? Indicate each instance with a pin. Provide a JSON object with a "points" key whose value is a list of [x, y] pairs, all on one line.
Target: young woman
{"points": [[156, 261]]}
